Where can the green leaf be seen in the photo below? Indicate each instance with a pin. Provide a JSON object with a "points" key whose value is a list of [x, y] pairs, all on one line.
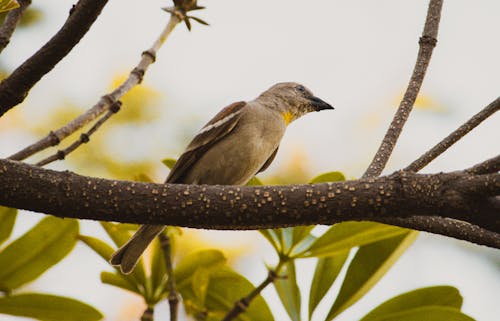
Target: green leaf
{"points": [[105, 251], [158, 270], [186, 268], [199, 284], [429, 296], [7, 5], [254, 181], [224, 289], [328, 177], [7, 220], [169, 162], [427, 313], [367, 267], [120, 236], [344, 236], [286, 238], [119, 280], [288, 290], [273, 238], [48, 308], [301, 232], [36, 251], [327, 270], [100, 247]]}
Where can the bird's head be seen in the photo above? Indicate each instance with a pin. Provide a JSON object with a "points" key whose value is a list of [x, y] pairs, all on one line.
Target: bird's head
{"points": [[292, 100]]}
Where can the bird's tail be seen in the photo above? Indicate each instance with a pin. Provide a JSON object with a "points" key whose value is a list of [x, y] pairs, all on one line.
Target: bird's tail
{"points": [[127, 256]]}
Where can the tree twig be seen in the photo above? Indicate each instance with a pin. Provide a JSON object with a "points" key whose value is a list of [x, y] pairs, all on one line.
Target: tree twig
{"points": [[243, 304], [84, 137], [16, 86], [455, 136], [457, 195], [491, 165], [427, 43], [135, 77], [173, 295], [10, 23]]}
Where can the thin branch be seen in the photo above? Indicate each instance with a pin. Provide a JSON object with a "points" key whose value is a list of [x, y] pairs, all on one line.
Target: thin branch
{"points": [[15, 88], [84, 137], [135, 77], [456, 195], [243, 304], [457, 229], [173, 296], [148, 314], [455, 136], [427, 43], [491, 165], [10, 23]]}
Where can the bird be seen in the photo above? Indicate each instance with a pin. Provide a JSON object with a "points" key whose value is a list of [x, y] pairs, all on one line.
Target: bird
{"points": [[236, 144]]}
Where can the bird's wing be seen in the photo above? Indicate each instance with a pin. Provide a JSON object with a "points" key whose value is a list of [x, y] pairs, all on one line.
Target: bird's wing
{"points": [[216, 129], [269, 160]]}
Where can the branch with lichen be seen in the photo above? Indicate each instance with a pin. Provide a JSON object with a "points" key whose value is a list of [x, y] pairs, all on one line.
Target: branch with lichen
{"points": [[457, 195]]}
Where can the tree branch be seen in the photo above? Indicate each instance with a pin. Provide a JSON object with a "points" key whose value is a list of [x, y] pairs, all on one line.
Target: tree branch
{"points": [[457, 195], [173, 296], [427, 43], [15, 88], [242, 304], [135, 77], [84, 138], [491, 165], [455, 136], [10, 23]]}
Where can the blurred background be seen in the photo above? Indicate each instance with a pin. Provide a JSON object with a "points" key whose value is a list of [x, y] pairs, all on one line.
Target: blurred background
{"points": [[357, 55]]}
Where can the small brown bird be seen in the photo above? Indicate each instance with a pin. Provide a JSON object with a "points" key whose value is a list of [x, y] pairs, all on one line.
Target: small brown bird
{"points": [[239, 142]]}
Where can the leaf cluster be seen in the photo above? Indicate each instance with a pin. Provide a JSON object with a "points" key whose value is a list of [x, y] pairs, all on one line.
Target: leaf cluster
{"points": [[24, 259]]}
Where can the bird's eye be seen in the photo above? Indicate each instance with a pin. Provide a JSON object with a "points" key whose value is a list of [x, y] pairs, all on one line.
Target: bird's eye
{"points": [[300, 88]]}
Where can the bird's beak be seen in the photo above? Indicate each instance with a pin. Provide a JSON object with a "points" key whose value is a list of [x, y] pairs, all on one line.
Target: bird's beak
{"points": [[319, 104]]}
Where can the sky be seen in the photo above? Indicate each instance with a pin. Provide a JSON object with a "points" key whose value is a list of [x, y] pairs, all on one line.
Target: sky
{"points": [[357, 55]]}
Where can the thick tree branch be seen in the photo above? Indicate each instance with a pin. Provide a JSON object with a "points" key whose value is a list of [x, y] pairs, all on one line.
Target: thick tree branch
{"points": [[455, 136], [15, 88], [427, 43], [491, 165], [106, 101], [456, 195], [10, 23]]}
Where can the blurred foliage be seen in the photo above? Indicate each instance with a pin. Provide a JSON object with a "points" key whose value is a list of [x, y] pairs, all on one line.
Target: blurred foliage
{"points": [[31, 16], [25, 259], [7, 5], [139, 109]]}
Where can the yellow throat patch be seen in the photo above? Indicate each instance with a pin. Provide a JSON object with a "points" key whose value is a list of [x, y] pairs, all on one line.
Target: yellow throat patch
{"points": [[288, 117]]}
